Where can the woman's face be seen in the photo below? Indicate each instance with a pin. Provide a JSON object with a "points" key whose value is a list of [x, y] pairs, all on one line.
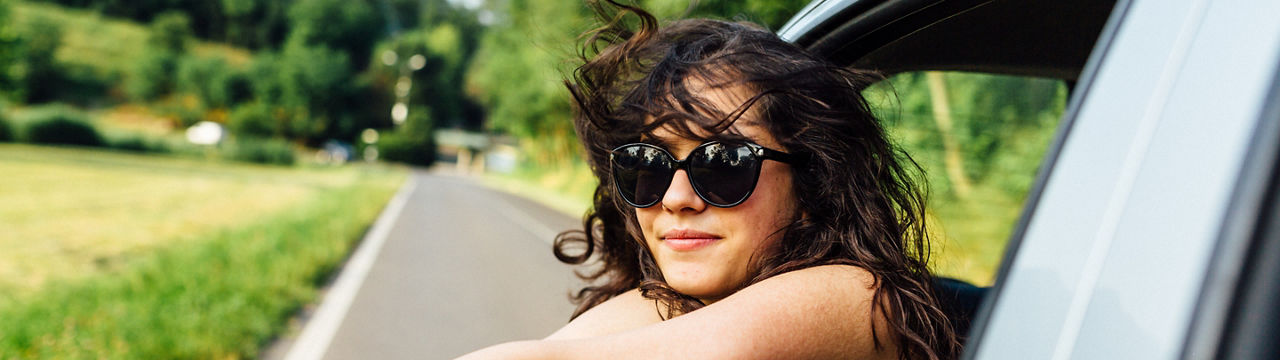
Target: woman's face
{"points": [[705, 251]]}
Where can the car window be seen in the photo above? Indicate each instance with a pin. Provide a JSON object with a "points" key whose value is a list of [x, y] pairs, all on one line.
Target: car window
{"points": [[980, 139]]}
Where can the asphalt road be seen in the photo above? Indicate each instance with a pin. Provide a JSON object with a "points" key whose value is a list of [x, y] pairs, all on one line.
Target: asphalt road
{"points": [[462, 267]]}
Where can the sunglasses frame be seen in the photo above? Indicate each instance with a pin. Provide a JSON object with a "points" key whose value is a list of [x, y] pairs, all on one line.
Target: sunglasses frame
{"points": [[760, 152]]}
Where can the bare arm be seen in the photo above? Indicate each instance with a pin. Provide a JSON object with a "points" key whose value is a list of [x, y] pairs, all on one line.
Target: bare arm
{"points": [[816, 313]]}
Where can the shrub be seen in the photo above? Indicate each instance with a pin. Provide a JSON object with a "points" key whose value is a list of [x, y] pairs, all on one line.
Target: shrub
{"points": [[413, 142], [171, 32], [12, 44], [263, 151], [406, 148], [152, 76], [6, 132], [211, 79], [43, 73], [252, 120], [139, 143], [62, 126], [185, 109]]}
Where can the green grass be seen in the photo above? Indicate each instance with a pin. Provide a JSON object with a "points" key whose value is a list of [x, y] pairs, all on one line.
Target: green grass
{"points": [[68, 212], [248, 247], [567, 188]]}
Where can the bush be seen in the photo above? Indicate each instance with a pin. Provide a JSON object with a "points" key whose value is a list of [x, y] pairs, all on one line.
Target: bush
{"points": [[6, 132], [406, 148], [310, 82], [43, 72], [152, 76], [263, 151], [252, 120], [186, 110], [61, 126], [171, 32], [211, 79], [12, 52], [413, 142], [139, 143]]}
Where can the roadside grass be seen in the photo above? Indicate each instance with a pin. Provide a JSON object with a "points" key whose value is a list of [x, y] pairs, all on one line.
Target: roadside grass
{"points": [[567, 188], [69, 212], [157, 257]]}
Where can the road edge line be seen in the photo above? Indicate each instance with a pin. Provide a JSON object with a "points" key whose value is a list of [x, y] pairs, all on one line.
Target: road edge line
{"points": [[314, 340]]}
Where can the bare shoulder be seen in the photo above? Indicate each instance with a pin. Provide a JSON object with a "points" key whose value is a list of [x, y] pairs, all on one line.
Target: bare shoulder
{"points": [[840, 277], [810, 295], [621, 313]]}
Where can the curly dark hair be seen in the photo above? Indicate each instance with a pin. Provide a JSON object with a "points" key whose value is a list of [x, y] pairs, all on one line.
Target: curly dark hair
{"points": [[862, 198]]}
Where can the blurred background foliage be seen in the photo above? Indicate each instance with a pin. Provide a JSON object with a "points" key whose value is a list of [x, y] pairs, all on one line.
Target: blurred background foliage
{"points": [[297, 72], [307, 72], [980, 139]]}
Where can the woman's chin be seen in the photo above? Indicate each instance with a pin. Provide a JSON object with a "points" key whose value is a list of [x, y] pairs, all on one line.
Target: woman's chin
{"points": [[699, 285]]}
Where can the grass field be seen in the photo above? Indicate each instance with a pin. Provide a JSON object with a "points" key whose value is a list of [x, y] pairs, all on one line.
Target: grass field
{"points": [[109, 255]]}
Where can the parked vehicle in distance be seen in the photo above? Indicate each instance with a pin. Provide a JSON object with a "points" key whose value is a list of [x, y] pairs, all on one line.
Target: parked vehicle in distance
{"points": [[1152, 227]]}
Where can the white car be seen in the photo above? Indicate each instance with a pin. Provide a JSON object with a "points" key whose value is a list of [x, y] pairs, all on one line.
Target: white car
{"points": [[1152, 230]]}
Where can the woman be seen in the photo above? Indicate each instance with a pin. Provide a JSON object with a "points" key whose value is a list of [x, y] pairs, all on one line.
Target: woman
{"points": [[749, 205]]}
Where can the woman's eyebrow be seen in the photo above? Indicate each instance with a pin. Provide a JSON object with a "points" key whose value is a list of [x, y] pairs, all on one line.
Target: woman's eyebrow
{"points": [[729, 137], [656, 141]]}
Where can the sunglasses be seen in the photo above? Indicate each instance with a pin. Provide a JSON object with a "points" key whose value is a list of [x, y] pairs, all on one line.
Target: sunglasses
{"points": [[723, 175]]}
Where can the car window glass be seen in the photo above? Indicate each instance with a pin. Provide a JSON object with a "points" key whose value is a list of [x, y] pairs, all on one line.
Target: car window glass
{"points": [[980, 139]]}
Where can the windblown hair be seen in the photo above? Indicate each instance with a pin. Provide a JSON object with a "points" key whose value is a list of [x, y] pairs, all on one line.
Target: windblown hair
{"points": [[860, 199]]}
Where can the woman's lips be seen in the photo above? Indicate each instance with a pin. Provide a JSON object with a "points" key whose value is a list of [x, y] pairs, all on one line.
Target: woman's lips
{"points": [[687, 240]]}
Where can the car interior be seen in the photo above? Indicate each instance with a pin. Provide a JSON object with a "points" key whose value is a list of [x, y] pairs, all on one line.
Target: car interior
{"points": [[1039, 38], [1034, 38]]}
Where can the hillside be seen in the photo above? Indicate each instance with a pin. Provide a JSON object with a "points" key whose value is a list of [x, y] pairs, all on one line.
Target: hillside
{"points": [[106, 45]]}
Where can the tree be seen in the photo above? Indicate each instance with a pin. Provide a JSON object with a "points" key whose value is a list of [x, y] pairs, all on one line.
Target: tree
{"points": [[167, 43], [976, 130], [413, 142], [41, 70], [12, 69], [771, 14], [952, 156], [349, 27], [308, 90], [211, 79], [531, 39]]}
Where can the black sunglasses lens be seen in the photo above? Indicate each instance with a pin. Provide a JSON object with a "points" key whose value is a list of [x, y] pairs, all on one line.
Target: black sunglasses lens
{"points": [[642, 174], [724, 174]]}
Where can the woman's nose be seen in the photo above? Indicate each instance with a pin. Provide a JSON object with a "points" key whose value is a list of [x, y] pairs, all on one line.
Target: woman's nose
{"points": [[680, 195]]}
